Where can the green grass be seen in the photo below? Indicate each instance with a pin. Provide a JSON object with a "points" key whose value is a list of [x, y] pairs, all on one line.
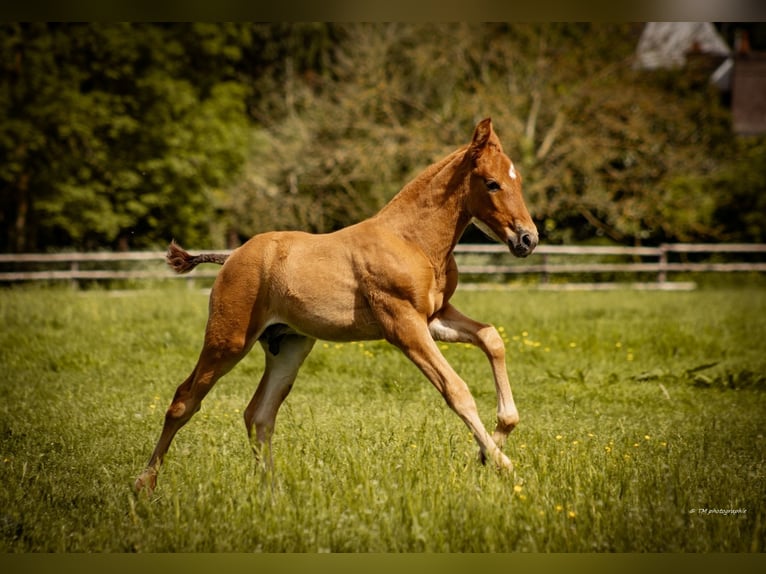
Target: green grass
{"points": [[642, 414]]}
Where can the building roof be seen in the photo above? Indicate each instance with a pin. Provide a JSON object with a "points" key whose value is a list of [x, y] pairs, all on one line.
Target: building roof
{"points": [[666, 44]]}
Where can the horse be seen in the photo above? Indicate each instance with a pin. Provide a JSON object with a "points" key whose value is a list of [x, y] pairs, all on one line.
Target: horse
{"points": [[387, 277]]}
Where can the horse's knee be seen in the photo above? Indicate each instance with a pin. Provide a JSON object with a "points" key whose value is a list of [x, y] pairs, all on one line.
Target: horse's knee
{"points": [[492, 342]]}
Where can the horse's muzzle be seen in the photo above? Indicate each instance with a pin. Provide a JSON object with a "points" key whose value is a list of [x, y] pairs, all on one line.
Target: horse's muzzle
{"points": [[523, 243]]}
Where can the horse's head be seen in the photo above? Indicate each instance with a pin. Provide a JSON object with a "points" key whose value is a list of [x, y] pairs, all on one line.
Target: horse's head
{"points": [[494, 197]]}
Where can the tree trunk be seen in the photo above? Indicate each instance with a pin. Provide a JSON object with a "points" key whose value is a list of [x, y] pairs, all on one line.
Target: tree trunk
{"points": [[17, 240]]}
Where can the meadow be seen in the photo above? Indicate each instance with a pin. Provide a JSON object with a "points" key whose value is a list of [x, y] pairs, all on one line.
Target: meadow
{"points": [[642, 430]]}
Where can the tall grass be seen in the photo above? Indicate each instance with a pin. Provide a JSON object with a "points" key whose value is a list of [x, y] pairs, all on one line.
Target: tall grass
{"points": [[642, 430]]}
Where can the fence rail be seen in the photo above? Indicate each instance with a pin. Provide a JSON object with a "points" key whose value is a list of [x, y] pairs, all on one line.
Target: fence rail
{"points": [[473, 259], [662, 266]]}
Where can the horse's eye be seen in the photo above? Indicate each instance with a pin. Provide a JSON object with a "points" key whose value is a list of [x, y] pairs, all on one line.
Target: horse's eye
{"points": [[492, 185]]}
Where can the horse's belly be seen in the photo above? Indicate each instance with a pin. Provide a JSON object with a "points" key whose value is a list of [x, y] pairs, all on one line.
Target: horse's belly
{"points": [[325, 306], [332, 321]]}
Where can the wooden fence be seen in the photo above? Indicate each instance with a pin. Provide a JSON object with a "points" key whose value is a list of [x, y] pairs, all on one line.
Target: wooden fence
{"points": [[657, 263], [477, 263]]}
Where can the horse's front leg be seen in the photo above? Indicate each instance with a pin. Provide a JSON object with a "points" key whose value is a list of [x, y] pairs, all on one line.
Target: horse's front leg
{"points": [[450, 325], [411, 334]]}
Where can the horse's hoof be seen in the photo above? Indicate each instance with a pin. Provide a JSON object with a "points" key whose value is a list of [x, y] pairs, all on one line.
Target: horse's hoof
{"points": [[146, 481], [502, 462], [507, 466]]}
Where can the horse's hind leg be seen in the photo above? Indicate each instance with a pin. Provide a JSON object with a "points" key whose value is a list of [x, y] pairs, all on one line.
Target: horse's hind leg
{"points": [[284, 356], [216, 359]]}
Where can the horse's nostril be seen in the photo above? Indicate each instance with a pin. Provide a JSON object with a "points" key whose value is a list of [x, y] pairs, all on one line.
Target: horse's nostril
{"points": [[526, 239], [524, 244]]}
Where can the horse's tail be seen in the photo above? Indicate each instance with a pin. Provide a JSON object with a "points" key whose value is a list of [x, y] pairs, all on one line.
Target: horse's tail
{"points": [[181, 261]]}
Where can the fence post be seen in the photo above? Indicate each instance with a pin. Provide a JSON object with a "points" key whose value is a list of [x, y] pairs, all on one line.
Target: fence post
{"points": [[662, 277], [74, 267]]}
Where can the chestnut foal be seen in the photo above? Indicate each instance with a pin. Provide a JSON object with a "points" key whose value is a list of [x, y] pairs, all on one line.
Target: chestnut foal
{"points": [[388, 277]]}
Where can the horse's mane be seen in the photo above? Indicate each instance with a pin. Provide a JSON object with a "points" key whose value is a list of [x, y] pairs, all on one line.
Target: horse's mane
{"points": [[426, 175], [435, 168]]}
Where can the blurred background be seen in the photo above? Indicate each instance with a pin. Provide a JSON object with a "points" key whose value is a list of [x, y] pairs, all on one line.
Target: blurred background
{"points": [[122, 136]]}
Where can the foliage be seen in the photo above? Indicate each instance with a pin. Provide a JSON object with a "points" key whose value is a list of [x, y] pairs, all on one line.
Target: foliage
{"points": [[115, 132], [125, 135], [630, 438], [606, 150], [740, 210]]}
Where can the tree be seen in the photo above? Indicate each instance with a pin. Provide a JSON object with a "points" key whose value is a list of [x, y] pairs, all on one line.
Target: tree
{"points": [[605, 150], [125, 135], [116, 133]]}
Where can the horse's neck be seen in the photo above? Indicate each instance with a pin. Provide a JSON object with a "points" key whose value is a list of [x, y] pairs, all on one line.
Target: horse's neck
{"points": [[429, 210]]}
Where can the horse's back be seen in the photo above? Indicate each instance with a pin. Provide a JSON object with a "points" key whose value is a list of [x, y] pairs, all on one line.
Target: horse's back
{"points": [[326, 285], [307, 281]]}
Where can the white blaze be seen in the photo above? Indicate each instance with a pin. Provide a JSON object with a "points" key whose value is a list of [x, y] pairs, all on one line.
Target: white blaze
{"points": [[512, 172]]}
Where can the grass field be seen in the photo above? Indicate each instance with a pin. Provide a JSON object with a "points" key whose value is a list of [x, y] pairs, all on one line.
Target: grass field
{"points": [[642, 430]]}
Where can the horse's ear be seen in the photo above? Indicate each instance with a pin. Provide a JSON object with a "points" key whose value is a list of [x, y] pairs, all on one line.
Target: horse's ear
{"points": [[481, 137]]}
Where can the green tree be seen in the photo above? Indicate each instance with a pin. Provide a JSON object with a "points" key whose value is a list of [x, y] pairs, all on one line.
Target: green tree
{"points": [[115, 133], [605, 150], [124, 135]]}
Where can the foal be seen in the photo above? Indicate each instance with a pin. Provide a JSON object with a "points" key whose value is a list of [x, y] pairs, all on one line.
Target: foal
{"points": [[388, 277]]}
